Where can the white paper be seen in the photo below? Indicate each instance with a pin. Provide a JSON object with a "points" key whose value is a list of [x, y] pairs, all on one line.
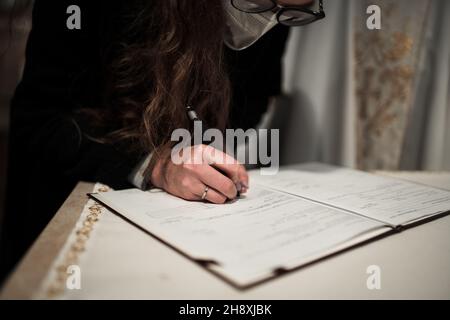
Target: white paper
{"points": [[249, 238], [393, 201]]}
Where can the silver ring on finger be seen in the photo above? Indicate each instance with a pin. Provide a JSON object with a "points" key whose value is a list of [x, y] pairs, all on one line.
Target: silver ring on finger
{"points": [[205, 193]]}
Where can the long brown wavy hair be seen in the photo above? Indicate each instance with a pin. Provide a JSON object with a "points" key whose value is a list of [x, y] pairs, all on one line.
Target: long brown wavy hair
{"points": [[172, 56]]}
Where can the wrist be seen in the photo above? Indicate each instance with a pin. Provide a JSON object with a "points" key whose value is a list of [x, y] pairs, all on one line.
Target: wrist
{"points": [[157, 176]]}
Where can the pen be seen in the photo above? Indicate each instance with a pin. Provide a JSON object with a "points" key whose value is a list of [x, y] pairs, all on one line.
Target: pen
{"points": [[194, 117]]}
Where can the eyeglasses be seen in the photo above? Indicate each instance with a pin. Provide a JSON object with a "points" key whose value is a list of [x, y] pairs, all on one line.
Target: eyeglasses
{"points": [[286, 15]]}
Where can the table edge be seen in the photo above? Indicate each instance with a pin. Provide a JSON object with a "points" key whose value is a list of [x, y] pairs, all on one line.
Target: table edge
{"points": [[27, 276]]}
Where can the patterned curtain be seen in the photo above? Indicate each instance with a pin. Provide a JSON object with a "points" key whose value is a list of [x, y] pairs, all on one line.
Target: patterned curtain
{"points": [[371, 99], [386, 63]]}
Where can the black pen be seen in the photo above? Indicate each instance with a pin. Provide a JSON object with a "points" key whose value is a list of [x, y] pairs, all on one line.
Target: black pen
{"points": [[194, 117]]}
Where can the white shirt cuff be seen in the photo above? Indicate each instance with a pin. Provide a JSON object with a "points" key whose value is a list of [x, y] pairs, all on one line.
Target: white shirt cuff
{"points": [[137, 177]]}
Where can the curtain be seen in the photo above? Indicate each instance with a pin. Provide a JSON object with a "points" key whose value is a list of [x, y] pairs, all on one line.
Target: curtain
{"points": [[371, 99]]}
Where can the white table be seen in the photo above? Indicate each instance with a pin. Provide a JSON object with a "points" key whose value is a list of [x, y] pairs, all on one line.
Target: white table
{"points": [[415, 264]]}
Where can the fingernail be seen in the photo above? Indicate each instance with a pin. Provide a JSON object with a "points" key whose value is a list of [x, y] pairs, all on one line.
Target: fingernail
{"points": [[238, 186], [244, 185]]}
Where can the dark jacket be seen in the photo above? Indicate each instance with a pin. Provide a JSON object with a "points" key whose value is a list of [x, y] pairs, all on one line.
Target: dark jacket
{"points": [[65, 71]]}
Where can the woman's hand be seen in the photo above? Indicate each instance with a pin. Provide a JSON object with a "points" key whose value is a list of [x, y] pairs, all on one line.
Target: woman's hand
{"points": [[220, 173]]}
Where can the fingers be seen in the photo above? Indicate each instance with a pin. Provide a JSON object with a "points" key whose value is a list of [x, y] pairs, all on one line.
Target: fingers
{"points": [[216, 180], [224, 175], [197, 191], [228, 165], [185, 182], [236, 172], [213, 196]]}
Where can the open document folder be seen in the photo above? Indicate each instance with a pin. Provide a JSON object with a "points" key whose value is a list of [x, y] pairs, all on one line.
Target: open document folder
{"points": [[300, 215]]}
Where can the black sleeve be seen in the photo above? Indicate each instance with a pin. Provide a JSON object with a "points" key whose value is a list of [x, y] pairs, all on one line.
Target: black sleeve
{"points": [[63, 73], [49, 152]]}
